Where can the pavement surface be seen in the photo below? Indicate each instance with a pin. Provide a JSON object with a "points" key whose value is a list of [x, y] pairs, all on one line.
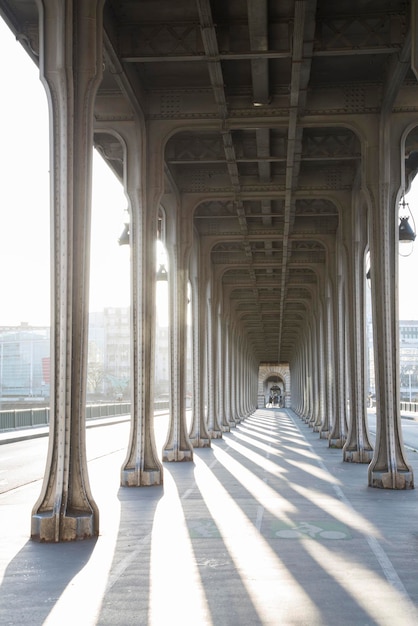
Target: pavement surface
{"points": [[23, 434], [266, 527]]}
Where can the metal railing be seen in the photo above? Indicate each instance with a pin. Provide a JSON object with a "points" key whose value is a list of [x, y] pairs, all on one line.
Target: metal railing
{"points": [[411, 407], [27, 418]]}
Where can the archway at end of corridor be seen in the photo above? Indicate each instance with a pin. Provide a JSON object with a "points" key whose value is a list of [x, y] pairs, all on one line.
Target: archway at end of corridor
{"points": [[274, 385]]}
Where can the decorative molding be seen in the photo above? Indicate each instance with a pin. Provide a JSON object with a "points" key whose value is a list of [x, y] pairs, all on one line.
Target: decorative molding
{"points": [[105, 117]]}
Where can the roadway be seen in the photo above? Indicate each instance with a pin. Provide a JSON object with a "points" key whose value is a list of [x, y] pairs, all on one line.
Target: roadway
{"points": [[23, 462], [409, 429], [269, 526]]}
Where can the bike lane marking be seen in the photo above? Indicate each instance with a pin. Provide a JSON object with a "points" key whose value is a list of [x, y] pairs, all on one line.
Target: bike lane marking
{"points": [[382, 558]]}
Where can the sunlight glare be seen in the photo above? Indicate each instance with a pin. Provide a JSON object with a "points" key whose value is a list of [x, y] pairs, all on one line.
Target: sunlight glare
{"points": [[337, 509], [271, 587], [82, 598], [176, 589], [372, 592], [314, 471], [269, 498]]}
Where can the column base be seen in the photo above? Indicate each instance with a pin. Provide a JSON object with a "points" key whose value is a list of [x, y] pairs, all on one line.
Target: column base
{"points": [[144, 478], [216, 434], [170, 455], [336, 443], [323, 434], [200, 442], [47, 528], [357, 456], [391, 480]]}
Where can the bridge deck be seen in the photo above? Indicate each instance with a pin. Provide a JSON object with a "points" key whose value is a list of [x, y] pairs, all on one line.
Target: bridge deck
{"points": [[267, 527]]}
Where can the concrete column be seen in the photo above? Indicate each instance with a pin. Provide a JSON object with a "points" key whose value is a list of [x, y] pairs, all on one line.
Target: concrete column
{"points": [[309, 351], [198, 435], [71, 66], [232, 367], [238, 377], [301, 378], [179, 234], [233, 385], [329, 414], [243, 380], [305, 374], [214, 426], [294, 383], [316, 419], [312, 372], [228, 372], [248, 379], [357, 448], [389, 468], [319, 425], [222, 372], [337, 435], [141, 466]]}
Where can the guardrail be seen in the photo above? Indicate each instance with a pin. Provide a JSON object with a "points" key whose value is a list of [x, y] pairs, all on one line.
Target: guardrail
{"points": [[411, 407], [26, 418]]}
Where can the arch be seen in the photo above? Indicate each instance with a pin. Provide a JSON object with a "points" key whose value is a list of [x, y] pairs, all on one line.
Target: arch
{"points": [[272, 375]]}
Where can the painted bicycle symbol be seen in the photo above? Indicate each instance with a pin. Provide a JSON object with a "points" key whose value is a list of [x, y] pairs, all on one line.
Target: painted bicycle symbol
{"points": [[304, 529]]}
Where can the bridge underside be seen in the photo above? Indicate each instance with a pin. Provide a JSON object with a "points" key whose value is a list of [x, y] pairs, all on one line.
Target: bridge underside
{"points": [[268, 145]]}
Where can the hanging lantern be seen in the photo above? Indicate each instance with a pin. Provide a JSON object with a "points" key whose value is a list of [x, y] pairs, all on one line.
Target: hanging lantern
{"points": [[124, 238], [406, 231]]}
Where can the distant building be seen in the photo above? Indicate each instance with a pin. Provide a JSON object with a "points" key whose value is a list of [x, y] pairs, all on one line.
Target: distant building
{"points": [[24, 361], [408, 357], [162, 373], [116, 352], [25, 358], [109, 367]]}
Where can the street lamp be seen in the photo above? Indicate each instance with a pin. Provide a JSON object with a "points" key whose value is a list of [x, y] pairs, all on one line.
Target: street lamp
{"points": [[162, 273], [406, 231], [124, 239]]}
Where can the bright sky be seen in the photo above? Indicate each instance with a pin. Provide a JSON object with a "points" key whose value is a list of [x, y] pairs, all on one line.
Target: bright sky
{"points": [[25, 205], [25, 208]]}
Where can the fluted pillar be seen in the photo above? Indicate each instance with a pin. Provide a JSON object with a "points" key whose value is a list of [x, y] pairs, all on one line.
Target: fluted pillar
{"points": [[324, 372], [329, 396], [178, 446], [228, 374], [315, 417], [306, 374], [233, 386], [214, 426], [198, 434], [222, 373], [71, 66], [357, 447], [320, 408], [389, 468], [338, 434], [141, 466]]}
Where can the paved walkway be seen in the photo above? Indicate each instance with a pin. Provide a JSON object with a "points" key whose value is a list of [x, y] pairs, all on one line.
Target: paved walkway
{"points": [[267, 527]]}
